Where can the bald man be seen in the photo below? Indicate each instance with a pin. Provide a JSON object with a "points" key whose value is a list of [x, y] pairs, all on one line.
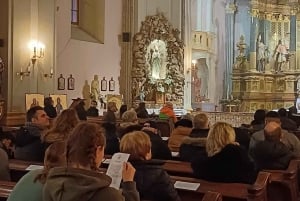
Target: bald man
{"points": [[272, 153], [289, 139]]}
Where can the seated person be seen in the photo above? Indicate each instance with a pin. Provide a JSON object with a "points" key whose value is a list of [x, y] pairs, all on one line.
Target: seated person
{"points": [[183, 128], [167, 112], [259, 120], [129, 119], [49, 108], [226, 161], [110, 116], [4, 169], [28, 139], [159, 148], [194, 144], [153, 182], [80, 178], [7, 143], [286, 123], [272, 153], [30, 186], [62, 127], [93, 111], [141, 111], [78, 106], [289, 139], [112, 140]]}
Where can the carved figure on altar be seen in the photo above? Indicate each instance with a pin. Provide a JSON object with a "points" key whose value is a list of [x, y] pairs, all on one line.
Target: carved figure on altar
{"points": [[156, 59], [280, 54], [261, 54], [142, 94]]}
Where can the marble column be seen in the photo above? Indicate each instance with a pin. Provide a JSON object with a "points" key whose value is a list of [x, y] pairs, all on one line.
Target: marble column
{"points": [[253, 38], [229, 44], [293, 41]]}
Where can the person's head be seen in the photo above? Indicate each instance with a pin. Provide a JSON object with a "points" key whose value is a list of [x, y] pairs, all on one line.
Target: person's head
{"points": [[219, 135], [184, 123], [137, 144], [111, 106], [272, 116], [65, 122], [259, 116], [48, 101], [142, 105], [38, 116], [85, 146], [6, 139], [272, 131], [94, 103], [201, 121], [55, 156], [123, 109], [130, 116], [282, 112]]}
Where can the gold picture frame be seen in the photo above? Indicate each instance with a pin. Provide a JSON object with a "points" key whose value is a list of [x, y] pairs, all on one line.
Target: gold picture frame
{"points": [[59, 102], [32, 100]]}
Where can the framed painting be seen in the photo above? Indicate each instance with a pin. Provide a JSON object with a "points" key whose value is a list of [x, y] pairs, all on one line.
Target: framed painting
{"points": [[59, 102], [71, 83], [32, 100], [103, 84], [115, 98], [61, 83]]}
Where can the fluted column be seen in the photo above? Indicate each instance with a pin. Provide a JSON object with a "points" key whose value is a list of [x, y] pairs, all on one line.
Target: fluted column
{"points": [[229, 44], [253, 37], [126, 50], [293, 41]]}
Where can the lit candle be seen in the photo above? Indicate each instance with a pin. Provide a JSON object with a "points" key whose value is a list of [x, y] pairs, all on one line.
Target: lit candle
{"points": [[51, 71]]}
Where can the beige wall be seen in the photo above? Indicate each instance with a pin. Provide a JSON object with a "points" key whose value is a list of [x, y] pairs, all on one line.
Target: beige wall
{"points": [[85, 59], [31, 20]]}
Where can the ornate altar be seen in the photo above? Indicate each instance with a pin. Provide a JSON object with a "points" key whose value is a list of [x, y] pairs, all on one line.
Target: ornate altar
{"points": [[157, 72]]}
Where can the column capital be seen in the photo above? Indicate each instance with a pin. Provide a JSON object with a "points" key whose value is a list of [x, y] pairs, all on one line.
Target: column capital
{"points": [[294, 10], [231, 8]]}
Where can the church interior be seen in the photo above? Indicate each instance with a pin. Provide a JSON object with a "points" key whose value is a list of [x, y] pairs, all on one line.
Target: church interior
{"points": [[212, 55], [92, 90]]}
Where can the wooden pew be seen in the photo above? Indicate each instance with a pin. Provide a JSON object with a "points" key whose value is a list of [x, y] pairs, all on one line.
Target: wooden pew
{"points": [[283, 184], [212, 196], [229, 191], [18, 168], [5, 189], [178, 168]]}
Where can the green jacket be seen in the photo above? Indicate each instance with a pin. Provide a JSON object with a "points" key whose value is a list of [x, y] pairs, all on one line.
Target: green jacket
{"points": [[27, 189], [74, 184]]}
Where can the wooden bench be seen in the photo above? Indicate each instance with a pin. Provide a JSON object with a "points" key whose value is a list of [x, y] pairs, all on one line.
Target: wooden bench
{"points": [[229, 191], [212, 196], [5, 189], [283, 184], [18, 168], [178, 168]]}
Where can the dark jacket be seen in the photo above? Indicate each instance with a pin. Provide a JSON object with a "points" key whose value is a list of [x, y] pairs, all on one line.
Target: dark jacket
{"points": [[288, 124], [142, 113], [110, 117], [112, 140], [28, 143], [92, 112], [271, 155], [159, 148], [231, 165], [153, 182], [192, 147], [197, 132], [73, 184]]}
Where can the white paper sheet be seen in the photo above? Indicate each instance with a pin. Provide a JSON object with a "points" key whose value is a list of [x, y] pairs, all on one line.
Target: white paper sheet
{"points": [[186, 185], [106, 161], [115, 168], [34, 167], [165, 138], [175, 154]]}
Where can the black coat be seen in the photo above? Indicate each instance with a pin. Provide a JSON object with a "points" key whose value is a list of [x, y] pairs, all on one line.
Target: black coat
{"points": [[231, 165], [92, 112], [153, 182], [191, 148], [50, 111], [271, 155]]}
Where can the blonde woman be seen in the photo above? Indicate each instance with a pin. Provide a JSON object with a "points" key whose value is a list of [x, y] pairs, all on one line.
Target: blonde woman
{"points": [[153, 183], [226, 161]]}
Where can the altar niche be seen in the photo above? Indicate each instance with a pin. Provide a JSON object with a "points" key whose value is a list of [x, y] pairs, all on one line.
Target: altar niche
{"points": [[157, 72]]}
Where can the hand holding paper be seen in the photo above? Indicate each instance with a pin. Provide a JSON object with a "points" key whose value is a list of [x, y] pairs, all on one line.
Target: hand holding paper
{"points": [[128, 172]]}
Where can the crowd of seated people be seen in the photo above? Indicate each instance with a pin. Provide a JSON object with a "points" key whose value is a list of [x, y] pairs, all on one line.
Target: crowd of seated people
{"points": [[217, 153]]}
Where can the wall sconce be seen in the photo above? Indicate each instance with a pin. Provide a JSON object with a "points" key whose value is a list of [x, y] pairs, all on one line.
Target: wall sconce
{"points": [[193, 66], [49, 75], [24, 73], [38, 50]]}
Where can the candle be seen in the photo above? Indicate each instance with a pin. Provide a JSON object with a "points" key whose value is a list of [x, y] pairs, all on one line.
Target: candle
{"points": [[51, 71], [34, 51]]}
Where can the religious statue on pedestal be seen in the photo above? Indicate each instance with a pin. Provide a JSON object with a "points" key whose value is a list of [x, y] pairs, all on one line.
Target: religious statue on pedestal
{"points": [[280, 56], [261, 47]]}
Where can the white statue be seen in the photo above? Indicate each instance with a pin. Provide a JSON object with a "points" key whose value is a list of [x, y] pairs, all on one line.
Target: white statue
{"points": [[95, 88], [280, 56], [261, 47], [156, 63]]}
